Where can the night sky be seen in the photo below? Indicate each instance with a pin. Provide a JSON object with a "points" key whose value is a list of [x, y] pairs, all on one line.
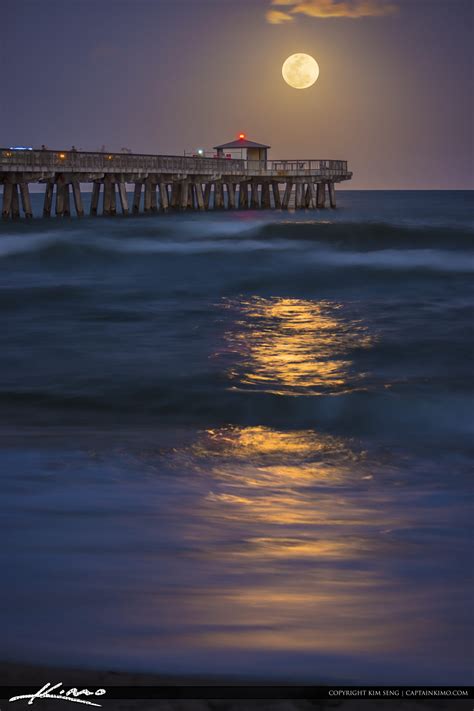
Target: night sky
{"points": [[394, 96]]}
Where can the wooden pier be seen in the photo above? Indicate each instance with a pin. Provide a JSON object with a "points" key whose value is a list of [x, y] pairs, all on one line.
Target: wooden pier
{"points": [[163, 183]]}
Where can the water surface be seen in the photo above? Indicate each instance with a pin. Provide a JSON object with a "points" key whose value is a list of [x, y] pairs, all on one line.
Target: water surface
{"points": [[239, 443]]}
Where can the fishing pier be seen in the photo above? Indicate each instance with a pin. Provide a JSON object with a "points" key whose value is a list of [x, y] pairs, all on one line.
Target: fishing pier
{"points": [[163, 183]]}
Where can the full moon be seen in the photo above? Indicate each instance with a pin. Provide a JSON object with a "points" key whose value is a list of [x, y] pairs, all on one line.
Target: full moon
{"points": [[300, 71]]}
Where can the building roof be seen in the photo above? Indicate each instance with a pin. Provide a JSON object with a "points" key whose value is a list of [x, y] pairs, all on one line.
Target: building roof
{"points": [[241, 143]]}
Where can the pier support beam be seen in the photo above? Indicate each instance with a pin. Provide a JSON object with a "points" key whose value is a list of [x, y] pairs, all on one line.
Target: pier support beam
{"points": [[207, 195], [76, 193], [147, 198], [231, 196], [287, 196], [153, 198], [190, 196], [254, 197], [299, 201], [164, 201], [276, 194], [107, 202], [67, 201], [122, 191], [332, 194], [113, 198], [199, 196], [25, 200], [321, 195], [175, 195], [218, 195], [7, 200], [266, 195], [15, 202], [183, 204], [243, 195], [48, 199], [309, 201], [59, 198], [137, 194], [94, 198]]}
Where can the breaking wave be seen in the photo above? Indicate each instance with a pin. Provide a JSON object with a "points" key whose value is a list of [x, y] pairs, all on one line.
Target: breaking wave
{"points": [[371, 246]]}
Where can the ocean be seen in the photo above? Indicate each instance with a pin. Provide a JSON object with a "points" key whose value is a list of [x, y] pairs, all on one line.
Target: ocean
{"points": [[238, 444]]}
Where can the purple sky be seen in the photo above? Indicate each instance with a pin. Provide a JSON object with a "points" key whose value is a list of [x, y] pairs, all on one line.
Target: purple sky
{"points": [[394, 96]]}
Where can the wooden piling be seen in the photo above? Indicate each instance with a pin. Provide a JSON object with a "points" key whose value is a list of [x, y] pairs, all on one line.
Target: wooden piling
{"points": [[231, 196], [175, 193], [25, 200], [67, 201], [122, 191], [184, 188], [153, 200], [266, 195], [48, 199], [254, 195], [199, 196], [190, 205], [244, 195], [207, 196], [299, 201], [309, 197], [147, 197], [276, 194], [113, 197], [15, 202], [107, 199], [218, 195], [332, 194], [287, 195], [321, 195], [59, 197], [164, 200], [95, 197], [76, 193], [7, 200], [137, 194]]}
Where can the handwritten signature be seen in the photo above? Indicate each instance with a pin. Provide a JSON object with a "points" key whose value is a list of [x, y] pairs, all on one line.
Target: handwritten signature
{"points": [[46, 692]]}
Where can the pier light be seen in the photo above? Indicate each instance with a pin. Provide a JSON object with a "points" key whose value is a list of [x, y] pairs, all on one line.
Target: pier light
{"points": [[200, 152], [62, 156], [110, 157], [242, 136]]}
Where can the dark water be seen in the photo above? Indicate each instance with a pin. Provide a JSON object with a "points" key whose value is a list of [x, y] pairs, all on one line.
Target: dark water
{"points": [[240, 443]]}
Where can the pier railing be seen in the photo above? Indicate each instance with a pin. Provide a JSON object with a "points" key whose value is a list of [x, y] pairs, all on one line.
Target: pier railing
{"points": [[99, 162], [300, 167]]}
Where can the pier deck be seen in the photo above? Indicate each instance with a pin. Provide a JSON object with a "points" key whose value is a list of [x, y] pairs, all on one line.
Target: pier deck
{"points": [[166, 182]]}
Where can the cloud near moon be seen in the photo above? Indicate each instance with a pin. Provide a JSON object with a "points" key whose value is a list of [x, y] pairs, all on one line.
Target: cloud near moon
{"points": [[324, 9]]}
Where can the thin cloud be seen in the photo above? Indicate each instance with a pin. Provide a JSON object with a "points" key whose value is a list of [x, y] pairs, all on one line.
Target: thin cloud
{"points": [[277, 17], [324, 9]]}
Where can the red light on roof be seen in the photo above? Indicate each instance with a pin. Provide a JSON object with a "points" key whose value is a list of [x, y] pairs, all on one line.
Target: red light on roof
{"points": [[241, 136]]}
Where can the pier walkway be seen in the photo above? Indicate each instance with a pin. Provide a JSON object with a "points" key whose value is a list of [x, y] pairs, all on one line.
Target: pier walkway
{"points": [[161, 183]]}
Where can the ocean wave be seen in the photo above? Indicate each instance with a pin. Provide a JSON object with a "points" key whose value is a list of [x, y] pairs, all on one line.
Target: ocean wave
{"points": [[182, 236], [411, 413], [365, 234], [396, 259]]}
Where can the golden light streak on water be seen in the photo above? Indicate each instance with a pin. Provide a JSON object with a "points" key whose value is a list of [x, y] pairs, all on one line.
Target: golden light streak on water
{"points": [[294, 346]]}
